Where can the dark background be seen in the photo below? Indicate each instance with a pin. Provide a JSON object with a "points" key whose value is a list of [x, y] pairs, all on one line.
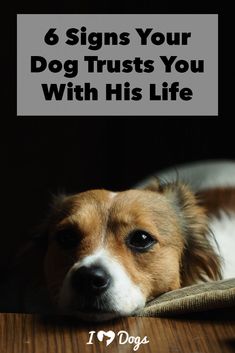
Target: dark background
{"points": [[40, 156]]}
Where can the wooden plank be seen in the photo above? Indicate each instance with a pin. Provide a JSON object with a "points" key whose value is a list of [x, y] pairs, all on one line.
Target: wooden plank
{"points": [[23, 333]]}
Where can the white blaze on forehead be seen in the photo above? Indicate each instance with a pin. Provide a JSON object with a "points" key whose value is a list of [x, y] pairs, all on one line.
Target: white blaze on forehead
{"points": [[124, 296], [90, 260]]}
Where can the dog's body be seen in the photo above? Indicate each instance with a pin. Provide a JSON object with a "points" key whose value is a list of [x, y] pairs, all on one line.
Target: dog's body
{"points": [[108, 253]]}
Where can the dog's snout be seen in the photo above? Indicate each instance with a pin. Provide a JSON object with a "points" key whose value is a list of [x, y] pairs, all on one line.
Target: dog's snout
{"points": [[91, 280]]}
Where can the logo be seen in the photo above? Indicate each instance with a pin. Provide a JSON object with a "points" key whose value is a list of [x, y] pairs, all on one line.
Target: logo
{"points": [[122, 336], [110, 334]]}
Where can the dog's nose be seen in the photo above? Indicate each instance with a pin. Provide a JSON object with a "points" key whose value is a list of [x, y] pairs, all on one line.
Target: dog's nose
{"points": [[90, 280]]}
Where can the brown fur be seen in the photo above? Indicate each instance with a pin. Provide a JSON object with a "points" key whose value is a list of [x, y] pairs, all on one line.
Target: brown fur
{"points": [[216, 199], [199, 261]]}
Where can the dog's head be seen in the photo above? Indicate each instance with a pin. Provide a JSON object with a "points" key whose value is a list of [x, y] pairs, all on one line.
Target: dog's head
{"points": [[108, 253]]}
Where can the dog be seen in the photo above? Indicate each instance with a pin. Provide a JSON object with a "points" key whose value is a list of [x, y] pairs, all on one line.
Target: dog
{"points": [[106, 254]]}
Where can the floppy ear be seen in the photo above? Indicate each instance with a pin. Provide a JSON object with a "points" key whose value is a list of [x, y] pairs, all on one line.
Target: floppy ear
{"points": [[199, 261], [40, 233], [32, 251]]}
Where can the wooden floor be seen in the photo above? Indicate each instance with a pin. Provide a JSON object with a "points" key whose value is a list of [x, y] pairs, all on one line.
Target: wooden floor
{"points": [[200, 333]]}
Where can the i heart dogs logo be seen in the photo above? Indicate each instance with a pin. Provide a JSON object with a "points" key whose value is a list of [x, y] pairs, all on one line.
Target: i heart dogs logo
{"points": [[122, 336], [110, 334]]}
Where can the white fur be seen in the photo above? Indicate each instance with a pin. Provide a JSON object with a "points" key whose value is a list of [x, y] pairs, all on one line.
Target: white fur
{"points": [[123, 295], [224, 231], [199, 175]]}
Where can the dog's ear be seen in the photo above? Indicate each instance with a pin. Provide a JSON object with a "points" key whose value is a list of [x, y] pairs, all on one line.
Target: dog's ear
{"points": [[40, 233], [199, 260], [37, 242]]}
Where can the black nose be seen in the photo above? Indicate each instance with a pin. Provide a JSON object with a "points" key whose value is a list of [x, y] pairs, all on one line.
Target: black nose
{"points": [[90, 280]]}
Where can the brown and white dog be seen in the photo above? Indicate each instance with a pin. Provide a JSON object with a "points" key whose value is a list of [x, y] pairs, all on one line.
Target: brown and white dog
{"points": [[108, 253]]}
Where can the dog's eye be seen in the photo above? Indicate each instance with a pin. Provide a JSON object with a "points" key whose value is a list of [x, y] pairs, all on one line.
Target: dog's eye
{"points": [[140, 240], [67, 238]]}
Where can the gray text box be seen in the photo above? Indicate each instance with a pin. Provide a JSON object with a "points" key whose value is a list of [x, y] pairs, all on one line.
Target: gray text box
{"points": [[148, 89]]}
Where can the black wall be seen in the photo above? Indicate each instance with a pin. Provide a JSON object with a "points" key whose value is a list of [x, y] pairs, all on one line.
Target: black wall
{"points": [[40, 156]]}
